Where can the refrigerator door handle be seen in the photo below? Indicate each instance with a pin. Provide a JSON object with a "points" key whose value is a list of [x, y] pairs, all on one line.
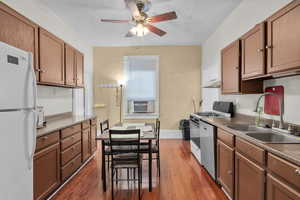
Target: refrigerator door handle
{"points": [[34, 132], [34, 84]]}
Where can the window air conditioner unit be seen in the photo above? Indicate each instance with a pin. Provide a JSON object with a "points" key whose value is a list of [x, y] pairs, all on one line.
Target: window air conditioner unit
{"points": [[141, 106]]}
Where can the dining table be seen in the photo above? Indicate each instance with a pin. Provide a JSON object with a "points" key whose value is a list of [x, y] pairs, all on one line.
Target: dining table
{"points": [[147, 134]]}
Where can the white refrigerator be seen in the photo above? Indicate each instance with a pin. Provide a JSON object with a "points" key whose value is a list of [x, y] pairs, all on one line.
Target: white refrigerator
{"points": [[18, 92]]}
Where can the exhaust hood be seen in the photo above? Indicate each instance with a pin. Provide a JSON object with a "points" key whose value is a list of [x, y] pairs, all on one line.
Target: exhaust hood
{"points": [[213, 83]]}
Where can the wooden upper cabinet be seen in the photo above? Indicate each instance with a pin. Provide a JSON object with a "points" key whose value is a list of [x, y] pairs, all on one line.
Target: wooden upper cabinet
{"points": [[18, 31], [225, 167], [46, 171], [51, 58], [231, 73], [79, 69], [230, 59], [253, 52], [283, 39], [249, 179], [70, 66]]}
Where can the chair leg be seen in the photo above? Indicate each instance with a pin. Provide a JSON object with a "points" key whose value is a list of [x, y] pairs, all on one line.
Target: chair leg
{"points": [[139, 182], [117, 176], [158, 164], [112, 183]]}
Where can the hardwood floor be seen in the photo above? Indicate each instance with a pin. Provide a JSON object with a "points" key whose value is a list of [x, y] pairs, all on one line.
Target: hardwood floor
{"points": [[182, 178]]}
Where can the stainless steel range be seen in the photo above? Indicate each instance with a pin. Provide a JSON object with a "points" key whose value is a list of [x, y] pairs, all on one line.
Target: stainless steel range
{"points": [[203, 135]]}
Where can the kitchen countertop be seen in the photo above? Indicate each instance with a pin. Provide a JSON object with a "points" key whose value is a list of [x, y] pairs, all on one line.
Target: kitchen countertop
{"points": [[62, 122], [290, 152]]}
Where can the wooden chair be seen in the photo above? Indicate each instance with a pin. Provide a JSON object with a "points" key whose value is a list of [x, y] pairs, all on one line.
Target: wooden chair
{"points": [[104, 128], [155, 147], [125, 154]]}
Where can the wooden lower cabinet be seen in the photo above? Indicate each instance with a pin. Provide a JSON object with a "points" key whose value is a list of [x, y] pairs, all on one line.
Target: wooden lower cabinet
{"points": [[278, 190], [225, 166], [86, 144], [93, 138], [46, 171], [249, 179]]}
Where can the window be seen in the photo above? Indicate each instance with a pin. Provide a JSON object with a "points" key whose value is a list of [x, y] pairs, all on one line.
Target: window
{"points": [[141, 91]]}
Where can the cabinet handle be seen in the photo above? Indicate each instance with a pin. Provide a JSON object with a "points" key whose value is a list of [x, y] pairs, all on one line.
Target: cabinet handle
{"points": [[229, 172], [45, 138], [260, 50], [40, 70], [269, 47], [297, 171]]}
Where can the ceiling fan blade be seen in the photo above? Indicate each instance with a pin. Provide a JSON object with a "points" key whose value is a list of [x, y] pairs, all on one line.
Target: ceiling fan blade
{"points": [[163, 17], [115, 21], [131, 5], [129, 34], [155, 30]]}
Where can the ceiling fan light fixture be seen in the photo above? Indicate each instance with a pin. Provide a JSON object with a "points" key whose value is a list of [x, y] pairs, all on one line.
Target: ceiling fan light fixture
{"points": [[139, 30]]}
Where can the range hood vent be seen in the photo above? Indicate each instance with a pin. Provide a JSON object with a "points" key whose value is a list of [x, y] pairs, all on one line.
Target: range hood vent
{"points": [[213, 83]]}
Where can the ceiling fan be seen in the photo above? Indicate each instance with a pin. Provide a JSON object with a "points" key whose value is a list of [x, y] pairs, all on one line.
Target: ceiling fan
{"points": [[140, 19]]}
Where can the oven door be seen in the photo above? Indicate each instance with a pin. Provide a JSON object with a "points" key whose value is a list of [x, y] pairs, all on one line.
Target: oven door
{"points": [[195, 138], [195, 132]]}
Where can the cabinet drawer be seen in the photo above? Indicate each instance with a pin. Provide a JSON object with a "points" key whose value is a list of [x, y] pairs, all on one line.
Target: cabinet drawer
{"points": [[45, 141], [284, 169], [71, 167], [251, 151], [70, 131], [70, 153], [94, 121], [226, 137], [86, 124], [67, 142]]}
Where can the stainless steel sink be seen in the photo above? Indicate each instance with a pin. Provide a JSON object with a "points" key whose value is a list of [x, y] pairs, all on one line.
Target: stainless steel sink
{"points": [[244, 127], [273, 137]]}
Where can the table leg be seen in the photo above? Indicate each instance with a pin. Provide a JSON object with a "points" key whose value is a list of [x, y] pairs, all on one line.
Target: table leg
{"points": [[103, 166], [150, 165]]}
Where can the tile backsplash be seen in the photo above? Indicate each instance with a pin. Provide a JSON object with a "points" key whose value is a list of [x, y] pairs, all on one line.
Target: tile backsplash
{"points": [[55, 100]]}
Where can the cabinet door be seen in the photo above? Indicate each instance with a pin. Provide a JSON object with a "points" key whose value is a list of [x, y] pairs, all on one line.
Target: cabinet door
{"points": [[249, 179], [225, 168], [283, 39], [253, 52], [46, 171], [85, 144], [79, 69], [230, 60], [19, 32], [70, 67], [93, 138], [277, 190], [51, 58]]}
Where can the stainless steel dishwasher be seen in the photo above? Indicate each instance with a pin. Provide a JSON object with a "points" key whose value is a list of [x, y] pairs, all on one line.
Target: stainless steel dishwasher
{"points": [[208, 147]]}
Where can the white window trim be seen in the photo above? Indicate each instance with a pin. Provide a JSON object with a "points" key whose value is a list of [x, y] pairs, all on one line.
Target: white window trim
{"points": [[126, 115]]}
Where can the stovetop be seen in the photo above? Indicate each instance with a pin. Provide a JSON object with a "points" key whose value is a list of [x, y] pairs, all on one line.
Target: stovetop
{"points": [[207, 114]]}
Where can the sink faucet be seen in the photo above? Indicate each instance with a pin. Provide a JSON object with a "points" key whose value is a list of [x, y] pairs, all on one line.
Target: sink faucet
{"points": [[281, 125]]}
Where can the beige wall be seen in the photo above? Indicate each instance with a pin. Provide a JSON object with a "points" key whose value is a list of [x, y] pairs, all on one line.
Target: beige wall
{"points": [[179, 70]]}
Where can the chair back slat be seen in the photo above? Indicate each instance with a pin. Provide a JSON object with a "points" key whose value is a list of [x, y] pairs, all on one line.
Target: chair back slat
{"points": [[124, 142], [104, 126]]}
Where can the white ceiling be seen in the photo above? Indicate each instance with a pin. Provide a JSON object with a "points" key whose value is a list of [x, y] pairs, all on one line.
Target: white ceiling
{"points": [[197, 19]]}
